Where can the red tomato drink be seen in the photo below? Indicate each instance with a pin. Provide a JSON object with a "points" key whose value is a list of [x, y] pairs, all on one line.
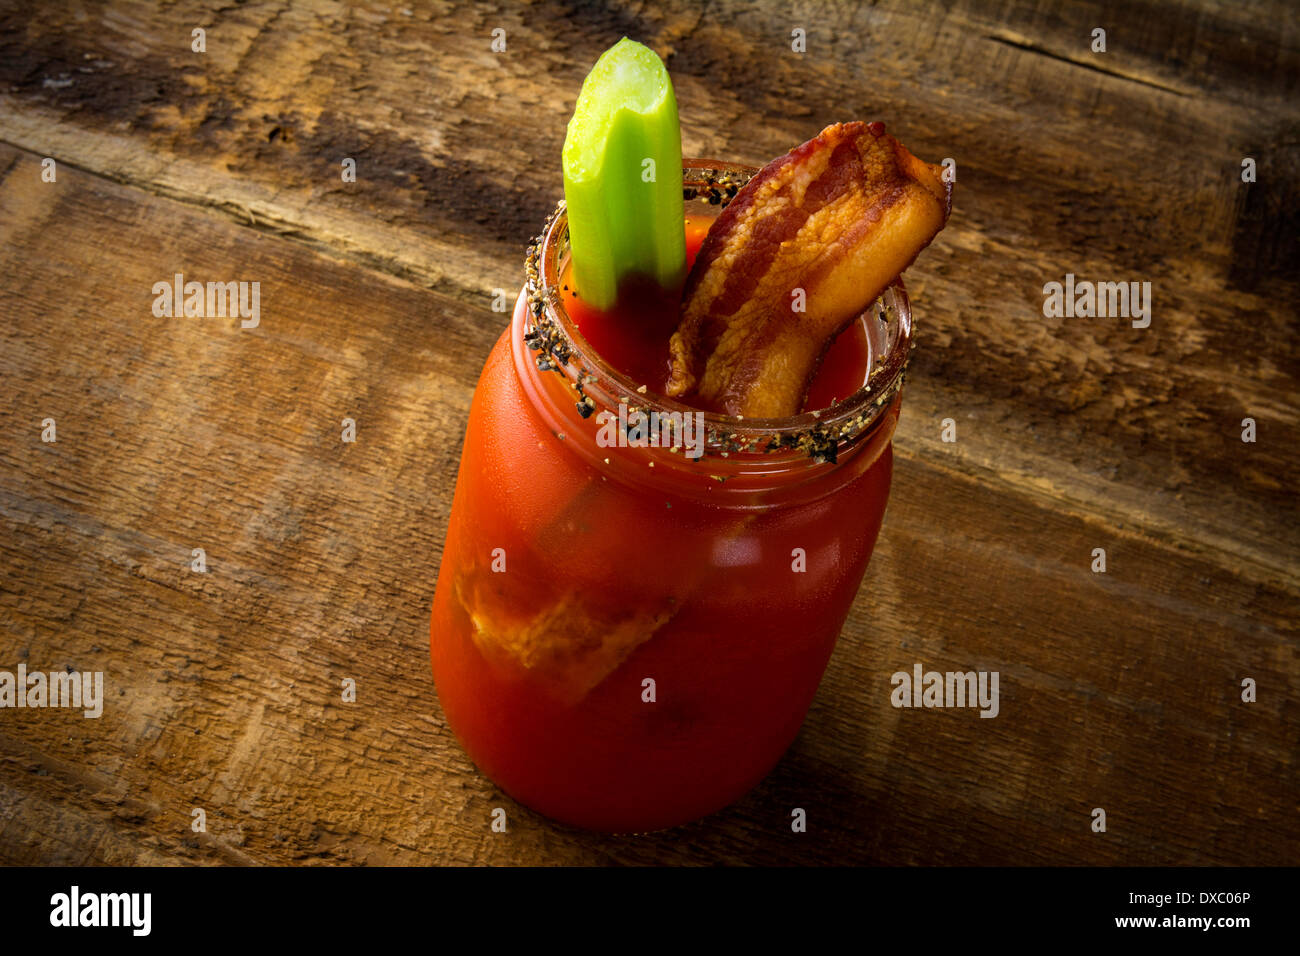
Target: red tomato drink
{"points": [[627, 636]]}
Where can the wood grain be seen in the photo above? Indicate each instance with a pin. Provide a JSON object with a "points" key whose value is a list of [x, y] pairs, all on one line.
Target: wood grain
{"points": [[1119, 690]]}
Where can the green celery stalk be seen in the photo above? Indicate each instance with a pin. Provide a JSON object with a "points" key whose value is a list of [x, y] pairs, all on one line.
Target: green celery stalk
{"points": [[625, 214]]}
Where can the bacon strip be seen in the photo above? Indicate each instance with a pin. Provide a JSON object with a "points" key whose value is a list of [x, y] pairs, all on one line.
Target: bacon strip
{"points": [[570, 644], [838, 218]]}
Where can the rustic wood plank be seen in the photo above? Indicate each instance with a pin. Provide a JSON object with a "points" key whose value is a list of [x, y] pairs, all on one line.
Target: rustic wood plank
{"points": [[1118, 690], [1114, 167]]}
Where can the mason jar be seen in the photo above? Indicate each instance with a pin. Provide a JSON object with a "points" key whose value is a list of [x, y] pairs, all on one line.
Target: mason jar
{"points": [[627, 635]]}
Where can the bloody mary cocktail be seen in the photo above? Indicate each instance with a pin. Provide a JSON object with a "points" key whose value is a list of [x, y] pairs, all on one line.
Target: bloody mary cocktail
{"points": [[625, 637], [677, 458]]}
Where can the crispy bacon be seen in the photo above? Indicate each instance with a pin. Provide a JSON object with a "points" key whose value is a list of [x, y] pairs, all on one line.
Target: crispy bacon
{"points": [[838, 218], [570, 644]]}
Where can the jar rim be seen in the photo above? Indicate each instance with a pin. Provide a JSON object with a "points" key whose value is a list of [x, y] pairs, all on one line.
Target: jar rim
{"points": [[820, 433]]}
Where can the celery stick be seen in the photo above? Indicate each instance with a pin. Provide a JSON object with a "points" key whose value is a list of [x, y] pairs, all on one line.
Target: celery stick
{"points": [[623, 176]]}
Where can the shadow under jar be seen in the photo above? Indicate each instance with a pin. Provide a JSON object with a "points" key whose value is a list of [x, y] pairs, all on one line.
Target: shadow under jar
{"points": [[625, 637]]}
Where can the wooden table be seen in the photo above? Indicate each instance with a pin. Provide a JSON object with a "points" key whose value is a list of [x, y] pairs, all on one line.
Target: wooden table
{"points": [[1119, 690]]}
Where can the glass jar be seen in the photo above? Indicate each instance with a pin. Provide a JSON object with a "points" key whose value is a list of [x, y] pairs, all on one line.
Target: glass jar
{"points": [[627, 636]]}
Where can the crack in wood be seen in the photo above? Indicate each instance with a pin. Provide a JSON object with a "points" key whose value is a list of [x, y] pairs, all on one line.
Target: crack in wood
{"points": [[1030, 47]]}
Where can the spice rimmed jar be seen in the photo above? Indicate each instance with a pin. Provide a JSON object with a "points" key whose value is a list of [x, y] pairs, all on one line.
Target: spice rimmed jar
{"points": [[624, 637]]}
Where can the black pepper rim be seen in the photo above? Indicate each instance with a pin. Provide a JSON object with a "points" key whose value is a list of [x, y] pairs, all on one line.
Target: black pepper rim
{"points": [[821, 434]]}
